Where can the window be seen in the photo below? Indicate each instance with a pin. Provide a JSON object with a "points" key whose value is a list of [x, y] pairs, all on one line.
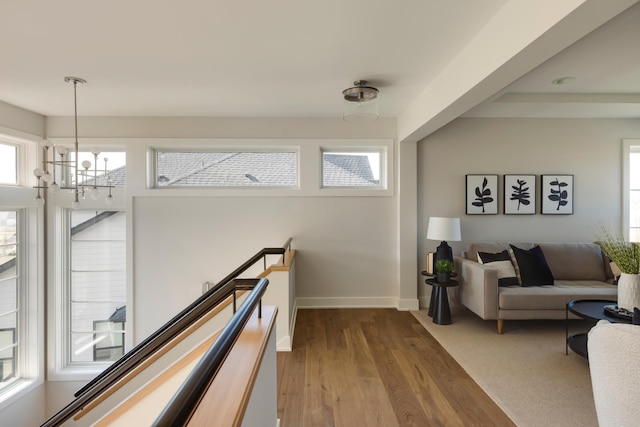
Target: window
{"points": [[115, 165], [352, 168], [96, 296], [9, 304], [634, 193], [226, 169], [8, 164]]}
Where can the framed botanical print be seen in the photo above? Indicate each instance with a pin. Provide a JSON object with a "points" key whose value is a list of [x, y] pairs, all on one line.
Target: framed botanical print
{"points": [[557, 194], [519, 194], [482, 194]]}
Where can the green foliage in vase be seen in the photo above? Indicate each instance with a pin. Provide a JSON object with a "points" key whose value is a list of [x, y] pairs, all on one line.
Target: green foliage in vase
{"points": [[625, 254], [444, 266]]}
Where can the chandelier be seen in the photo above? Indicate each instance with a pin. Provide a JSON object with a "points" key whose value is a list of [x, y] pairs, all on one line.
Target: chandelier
{"points": [[80, 179]]}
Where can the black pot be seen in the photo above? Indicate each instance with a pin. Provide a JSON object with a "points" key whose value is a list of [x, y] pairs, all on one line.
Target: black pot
{"points": [[443, 277]]}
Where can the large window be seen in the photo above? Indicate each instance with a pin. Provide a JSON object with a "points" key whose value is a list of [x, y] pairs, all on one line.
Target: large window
{"points": [[226, 169], [10, 280], [96, 296], [8, 164]]}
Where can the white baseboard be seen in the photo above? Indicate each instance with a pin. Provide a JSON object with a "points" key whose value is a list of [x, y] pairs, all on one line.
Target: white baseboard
{"points": [[284, 344], [349, 302], [408, 304]]}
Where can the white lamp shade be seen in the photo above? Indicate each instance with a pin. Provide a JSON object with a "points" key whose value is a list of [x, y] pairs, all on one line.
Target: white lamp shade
{"points": [[444, 229]]}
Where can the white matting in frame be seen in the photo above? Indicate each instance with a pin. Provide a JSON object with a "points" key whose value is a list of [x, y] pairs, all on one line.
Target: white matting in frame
{"points": [[557, 194], [519, 194], [482, 194]]}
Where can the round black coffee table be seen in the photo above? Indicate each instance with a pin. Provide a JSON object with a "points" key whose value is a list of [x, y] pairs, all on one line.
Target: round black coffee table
{"points": [[592, 310]]}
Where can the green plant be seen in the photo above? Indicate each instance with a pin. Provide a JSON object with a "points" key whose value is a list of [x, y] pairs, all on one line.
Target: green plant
{"points": [[626, 255], [444, 266]]}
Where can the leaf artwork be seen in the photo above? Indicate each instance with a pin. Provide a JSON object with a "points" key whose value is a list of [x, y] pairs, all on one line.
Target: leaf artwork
{"points": [[483, 196], [559, 195], [521, 193]]}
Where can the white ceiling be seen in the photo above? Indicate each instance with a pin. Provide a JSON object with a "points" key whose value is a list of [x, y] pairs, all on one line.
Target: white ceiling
{"points": [[279, 58], [606, 68]]}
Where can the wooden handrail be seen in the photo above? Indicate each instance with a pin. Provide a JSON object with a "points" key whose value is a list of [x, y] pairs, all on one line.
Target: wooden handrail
{"points": [[186, 400], [158, 339]]}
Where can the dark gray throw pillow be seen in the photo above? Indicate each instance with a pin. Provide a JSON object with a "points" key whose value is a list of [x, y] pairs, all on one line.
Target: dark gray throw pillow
{"points": [[501, 261], [532, 266]]}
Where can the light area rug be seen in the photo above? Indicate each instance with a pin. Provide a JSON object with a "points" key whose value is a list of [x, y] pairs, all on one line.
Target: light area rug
{"points": [[525, 370]]}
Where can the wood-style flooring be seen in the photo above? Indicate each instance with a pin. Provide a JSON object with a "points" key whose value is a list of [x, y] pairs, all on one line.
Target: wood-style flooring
{"points": [[375, 367]]}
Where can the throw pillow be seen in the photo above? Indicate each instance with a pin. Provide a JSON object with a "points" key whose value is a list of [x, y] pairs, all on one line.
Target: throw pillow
{"points": [[636, 316], [531, 266], [501, 261]]}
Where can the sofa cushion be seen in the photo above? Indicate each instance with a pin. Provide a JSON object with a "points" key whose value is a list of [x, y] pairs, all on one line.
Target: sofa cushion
{"points": [[575, 261], [501, 262], [553, 297], [531, 266], [492, 247]]}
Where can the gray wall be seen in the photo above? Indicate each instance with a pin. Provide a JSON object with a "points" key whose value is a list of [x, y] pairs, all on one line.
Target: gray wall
{"points": [[590, 149]]}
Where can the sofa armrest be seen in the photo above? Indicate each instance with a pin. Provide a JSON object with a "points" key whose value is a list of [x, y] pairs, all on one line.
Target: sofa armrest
{"points": [[478, 287]]}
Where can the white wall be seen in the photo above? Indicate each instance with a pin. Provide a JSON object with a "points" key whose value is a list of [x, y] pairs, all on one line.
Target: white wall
{"points": [[15, 121], [590, 149], [347, 245], [345, 248]]}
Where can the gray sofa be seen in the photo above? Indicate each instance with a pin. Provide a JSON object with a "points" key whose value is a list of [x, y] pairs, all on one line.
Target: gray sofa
{"points": [[580, 271]]}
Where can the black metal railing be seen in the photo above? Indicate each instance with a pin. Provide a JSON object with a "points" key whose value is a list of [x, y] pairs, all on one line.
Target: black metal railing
{"points": [[184, 403], [158, 339]]}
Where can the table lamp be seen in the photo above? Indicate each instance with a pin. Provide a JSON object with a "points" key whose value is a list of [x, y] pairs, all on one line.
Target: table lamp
{"points": [[443, 229]]}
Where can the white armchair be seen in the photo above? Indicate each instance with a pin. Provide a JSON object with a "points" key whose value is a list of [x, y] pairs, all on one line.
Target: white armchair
{"points": [[614, 362]]}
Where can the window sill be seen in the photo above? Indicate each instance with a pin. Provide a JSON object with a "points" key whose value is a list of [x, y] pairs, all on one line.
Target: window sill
{"points": [[17, 390]]}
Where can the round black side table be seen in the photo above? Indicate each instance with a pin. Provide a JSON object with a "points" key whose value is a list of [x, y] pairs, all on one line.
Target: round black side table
{"points": [[439, 306]]}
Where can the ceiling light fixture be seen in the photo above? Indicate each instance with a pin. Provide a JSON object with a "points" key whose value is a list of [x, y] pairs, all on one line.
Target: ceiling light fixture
{"points": [[360, 102], [79, 181]]}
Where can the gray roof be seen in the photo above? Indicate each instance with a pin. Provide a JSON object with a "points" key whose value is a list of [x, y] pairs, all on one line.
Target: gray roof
{"points": [[256, 169], [347, 170], [237, 169], [227, 169]]}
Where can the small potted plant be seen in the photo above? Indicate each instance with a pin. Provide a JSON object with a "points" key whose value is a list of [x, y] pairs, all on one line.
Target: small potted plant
{"points": [[444, 268]]}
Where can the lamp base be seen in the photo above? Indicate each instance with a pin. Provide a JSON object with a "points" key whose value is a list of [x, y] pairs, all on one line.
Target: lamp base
{"points": [[443, 251]]}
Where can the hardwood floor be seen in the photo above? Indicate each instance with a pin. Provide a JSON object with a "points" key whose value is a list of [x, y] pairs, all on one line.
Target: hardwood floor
{"points": [[375, 367]]}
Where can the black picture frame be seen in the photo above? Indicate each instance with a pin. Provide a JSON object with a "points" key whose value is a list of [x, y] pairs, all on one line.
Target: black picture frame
{"points": [[556, 195], [520, 194], [482, 194]]}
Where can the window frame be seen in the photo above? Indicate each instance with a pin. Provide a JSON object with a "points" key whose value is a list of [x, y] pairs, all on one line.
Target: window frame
{"points": [[309, 167], [628, 146], [153, 175], [30, 333], [382, 169], [60, 366], [16, 161]]}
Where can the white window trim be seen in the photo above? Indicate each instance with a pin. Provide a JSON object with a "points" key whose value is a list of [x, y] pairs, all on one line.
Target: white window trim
{"points": [[31, 318], [20, 197], [309, 167], [383, 151], [628, 146], [59, 366], [152, 184]]}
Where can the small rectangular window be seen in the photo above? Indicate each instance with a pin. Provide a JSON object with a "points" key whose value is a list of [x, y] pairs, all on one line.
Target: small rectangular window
{"points": [[8, 164], [352, 169], [226, 169], [107, 169]]}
